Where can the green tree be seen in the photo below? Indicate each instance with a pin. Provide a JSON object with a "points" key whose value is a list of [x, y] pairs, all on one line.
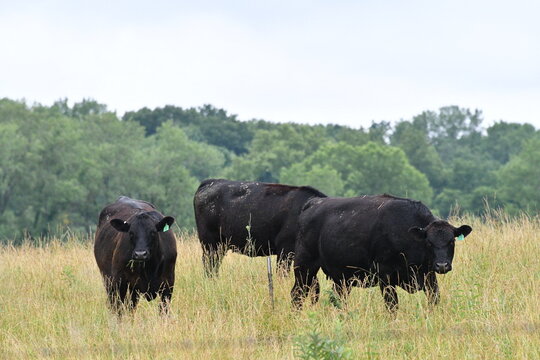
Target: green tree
{"points": [[504, 140], [114, 162], [519, 179], [273, 150], [469, 170], [379, 131], [200, 159], [450, 201], [207, 124], [368, 169], [48, 186], [414, 141], [60, 164], [321, 177], [447, 127], [13, 161], [385, 169], [346, 135], [176, 166]]}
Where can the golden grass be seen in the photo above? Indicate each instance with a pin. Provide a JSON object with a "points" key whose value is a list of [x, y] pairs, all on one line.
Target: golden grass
{"points": [[53, 305]]}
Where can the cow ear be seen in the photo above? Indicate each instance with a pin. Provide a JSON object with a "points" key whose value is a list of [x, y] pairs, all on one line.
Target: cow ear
{"points": [[165, 223], [418, 232], [120, 225], [462, 230]]}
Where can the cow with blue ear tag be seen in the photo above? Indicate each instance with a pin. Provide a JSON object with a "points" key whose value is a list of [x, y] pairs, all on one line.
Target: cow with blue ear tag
{"points": [[136, 253], [439, 237], [373, 240]]}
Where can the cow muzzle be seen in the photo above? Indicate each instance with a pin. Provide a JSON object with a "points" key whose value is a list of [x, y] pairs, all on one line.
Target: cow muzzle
{"points": [[141, 255], [443, 267]]}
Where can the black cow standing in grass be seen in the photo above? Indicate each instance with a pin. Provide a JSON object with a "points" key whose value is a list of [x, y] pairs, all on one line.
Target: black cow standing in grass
{"points": [[253, 218], [135, 252], [372, 240]]}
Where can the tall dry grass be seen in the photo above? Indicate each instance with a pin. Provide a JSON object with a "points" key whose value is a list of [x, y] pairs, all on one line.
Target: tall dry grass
{"points": [[53, 305]]}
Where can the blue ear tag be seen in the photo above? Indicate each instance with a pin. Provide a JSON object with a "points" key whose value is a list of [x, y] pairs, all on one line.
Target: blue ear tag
{"points": [[460, 237], [166, 227]]}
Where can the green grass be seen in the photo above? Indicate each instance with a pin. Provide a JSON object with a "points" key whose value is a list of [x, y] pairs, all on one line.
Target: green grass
{"points": [[53, 305]]}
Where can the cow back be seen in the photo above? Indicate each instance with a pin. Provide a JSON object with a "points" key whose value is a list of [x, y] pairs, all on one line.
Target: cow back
{"points": [[357, 233], [234, 211]]}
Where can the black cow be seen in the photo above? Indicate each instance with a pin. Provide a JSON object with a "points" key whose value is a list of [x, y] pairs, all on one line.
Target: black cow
{"points": [[372, 240], [135, 252], [253, 218]]}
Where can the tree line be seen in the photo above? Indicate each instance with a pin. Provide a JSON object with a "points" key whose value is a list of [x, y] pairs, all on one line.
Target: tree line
{"points": [[60, 164]]}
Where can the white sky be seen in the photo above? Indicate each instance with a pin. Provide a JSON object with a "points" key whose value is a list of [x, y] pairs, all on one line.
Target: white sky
{"points": [[345, 62]]}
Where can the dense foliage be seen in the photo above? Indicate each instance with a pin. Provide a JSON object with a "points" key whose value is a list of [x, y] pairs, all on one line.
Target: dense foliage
{"points": [[60, 165]]}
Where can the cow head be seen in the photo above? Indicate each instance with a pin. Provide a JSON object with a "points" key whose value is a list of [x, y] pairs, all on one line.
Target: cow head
{"points": [[143, 232], [439, 238]]}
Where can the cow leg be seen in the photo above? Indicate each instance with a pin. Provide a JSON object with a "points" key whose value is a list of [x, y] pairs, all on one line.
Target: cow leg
{"points": [[113, 294], [165, 304], [390, 297], [431, 289], [316, 290], [284, 247], [115, 303], [116, 293], [342, 289], [212, 258], [133, 300], [305, 279], [284, 262], [167, 286], [122, 297]]}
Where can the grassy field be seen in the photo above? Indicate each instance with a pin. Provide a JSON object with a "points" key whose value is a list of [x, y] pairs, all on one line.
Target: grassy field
{"points": [[53, 305]]}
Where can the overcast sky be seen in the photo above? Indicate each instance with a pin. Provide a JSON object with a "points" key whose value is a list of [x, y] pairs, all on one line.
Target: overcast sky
{"points": [[346, 62]]}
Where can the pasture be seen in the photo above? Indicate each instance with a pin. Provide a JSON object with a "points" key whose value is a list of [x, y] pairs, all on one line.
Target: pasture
{"points": [[53, 305]]}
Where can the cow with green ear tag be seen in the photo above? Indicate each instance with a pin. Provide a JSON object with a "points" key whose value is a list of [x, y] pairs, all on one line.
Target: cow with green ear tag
{"points": [[136, 253]]}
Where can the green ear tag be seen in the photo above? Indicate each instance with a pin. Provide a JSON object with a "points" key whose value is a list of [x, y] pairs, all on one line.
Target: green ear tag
{"points": [[166, 227], [460, 237]]}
